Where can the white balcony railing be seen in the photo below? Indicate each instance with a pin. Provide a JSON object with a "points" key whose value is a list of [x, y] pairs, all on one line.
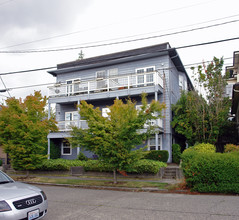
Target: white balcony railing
{"points": [[67, 125], [102, 85]]}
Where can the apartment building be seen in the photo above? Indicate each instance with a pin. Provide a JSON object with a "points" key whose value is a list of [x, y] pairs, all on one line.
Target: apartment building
{"points": [[156, 70]]}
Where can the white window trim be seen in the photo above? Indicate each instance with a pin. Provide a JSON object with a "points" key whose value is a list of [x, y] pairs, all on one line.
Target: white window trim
{"points": [[62, 151], [72, 112], [159, 143], [145, 68]]}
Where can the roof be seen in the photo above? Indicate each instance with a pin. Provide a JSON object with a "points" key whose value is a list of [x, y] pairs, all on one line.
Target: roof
{"points": [[118, 55], [123, 56]]}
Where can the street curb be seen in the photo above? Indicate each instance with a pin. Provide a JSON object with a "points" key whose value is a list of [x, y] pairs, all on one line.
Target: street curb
{"points": [[113, 188]]}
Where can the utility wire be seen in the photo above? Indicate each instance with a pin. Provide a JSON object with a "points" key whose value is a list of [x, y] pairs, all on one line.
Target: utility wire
{"points": [[118, 42], [113, 39], [89, 29], [26, 71], [182, 47]]}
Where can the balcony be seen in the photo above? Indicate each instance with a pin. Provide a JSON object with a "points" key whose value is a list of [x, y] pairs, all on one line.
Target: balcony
{"points": [[79, 87], [67, 125]]}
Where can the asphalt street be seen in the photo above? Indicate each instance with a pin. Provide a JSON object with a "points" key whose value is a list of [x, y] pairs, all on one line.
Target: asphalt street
{"points": [[76, 203]]}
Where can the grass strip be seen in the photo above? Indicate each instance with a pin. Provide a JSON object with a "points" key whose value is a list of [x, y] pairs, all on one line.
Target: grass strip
{"points": [[128, 184]]}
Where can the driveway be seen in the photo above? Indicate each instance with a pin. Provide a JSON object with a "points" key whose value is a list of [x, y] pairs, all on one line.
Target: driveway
{"points": [[76, 203]]}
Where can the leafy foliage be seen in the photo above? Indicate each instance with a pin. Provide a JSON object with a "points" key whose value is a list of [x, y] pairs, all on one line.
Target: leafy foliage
{"points": [[141, 166], [158, 155], [231, 148], [211, 172], [204, 120], [176, 153], [23, 131], [204, 148], [82, 156], [114, 138], [55, 152]]}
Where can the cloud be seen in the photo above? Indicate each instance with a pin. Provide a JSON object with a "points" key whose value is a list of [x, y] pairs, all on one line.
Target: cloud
{"points": [[28, 20]]}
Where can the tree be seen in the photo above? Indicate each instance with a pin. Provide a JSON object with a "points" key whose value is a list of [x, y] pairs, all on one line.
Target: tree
{"points": [[23, 130], [202, 119], [115, 137], [190, 117], [210, 77]]}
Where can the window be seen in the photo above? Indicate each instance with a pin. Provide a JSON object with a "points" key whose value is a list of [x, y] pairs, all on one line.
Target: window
{"points": [[101, 74], [146, 75], [71, 119], [105, 112], [152, 143], [71, 116], [69, 87], [113, 74], [66, 148], [100, 77]]}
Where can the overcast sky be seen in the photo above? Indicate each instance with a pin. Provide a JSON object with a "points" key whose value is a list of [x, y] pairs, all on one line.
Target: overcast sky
{"points": [[43, 25]]}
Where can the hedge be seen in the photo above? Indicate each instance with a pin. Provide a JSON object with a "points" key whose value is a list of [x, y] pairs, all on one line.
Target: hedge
{"points": [[158, 155], [211, 172], [141, 166], [176, 153]]}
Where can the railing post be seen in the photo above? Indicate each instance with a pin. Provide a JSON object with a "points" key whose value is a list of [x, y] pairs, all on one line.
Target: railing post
{"points": [[128, 82], [108, 84]]}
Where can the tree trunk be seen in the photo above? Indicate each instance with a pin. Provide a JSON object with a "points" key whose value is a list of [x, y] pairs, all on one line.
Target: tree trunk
{"points": [[115, 176], [27, 173]]}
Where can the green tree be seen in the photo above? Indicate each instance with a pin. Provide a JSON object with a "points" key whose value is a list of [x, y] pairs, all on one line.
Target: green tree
{"points": [[212, 80], [23, 130], [190, 117], [114, 138], [202, 119]]}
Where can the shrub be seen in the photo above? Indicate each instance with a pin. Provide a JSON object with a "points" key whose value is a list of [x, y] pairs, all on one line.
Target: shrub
{"points": [[55, 152], [82, 156], [141, 166], [205, 148], [96, 165], [59, 164], [231, 148], [211, 172], [158, 155], [176, 153], [146, 166]]}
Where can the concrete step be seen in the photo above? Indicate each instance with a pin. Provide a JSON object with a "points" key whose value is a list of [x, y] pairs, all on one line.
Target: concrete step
{"points": [[169, 173]]}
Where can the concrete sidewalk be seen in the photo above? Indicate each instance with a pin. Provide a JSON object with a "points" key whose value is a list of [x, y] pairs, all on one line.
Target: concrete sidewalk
{"points": [[117, 188]]}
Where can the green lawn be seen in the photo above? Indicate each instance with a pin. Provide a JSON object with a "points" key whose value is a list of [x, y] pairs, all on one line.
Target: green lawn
{"points": [[82, 182]]}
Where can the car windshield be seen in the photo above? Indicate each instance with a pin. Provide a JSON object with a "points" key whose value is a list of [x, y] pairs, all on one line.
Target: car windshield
{"points": [[4, 178]]}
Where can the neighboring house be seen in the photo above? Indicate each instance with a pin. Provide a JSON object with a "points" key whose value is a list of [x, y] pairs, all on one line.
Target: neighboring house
{"points": [[156, 70], [232, 89]]}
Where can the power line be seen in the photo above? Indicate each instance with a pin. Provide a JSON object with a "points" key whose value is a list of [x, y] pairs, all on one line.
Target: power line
{"points": [[80, 31], [26, 71], [163, 69], [119, 42]]}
